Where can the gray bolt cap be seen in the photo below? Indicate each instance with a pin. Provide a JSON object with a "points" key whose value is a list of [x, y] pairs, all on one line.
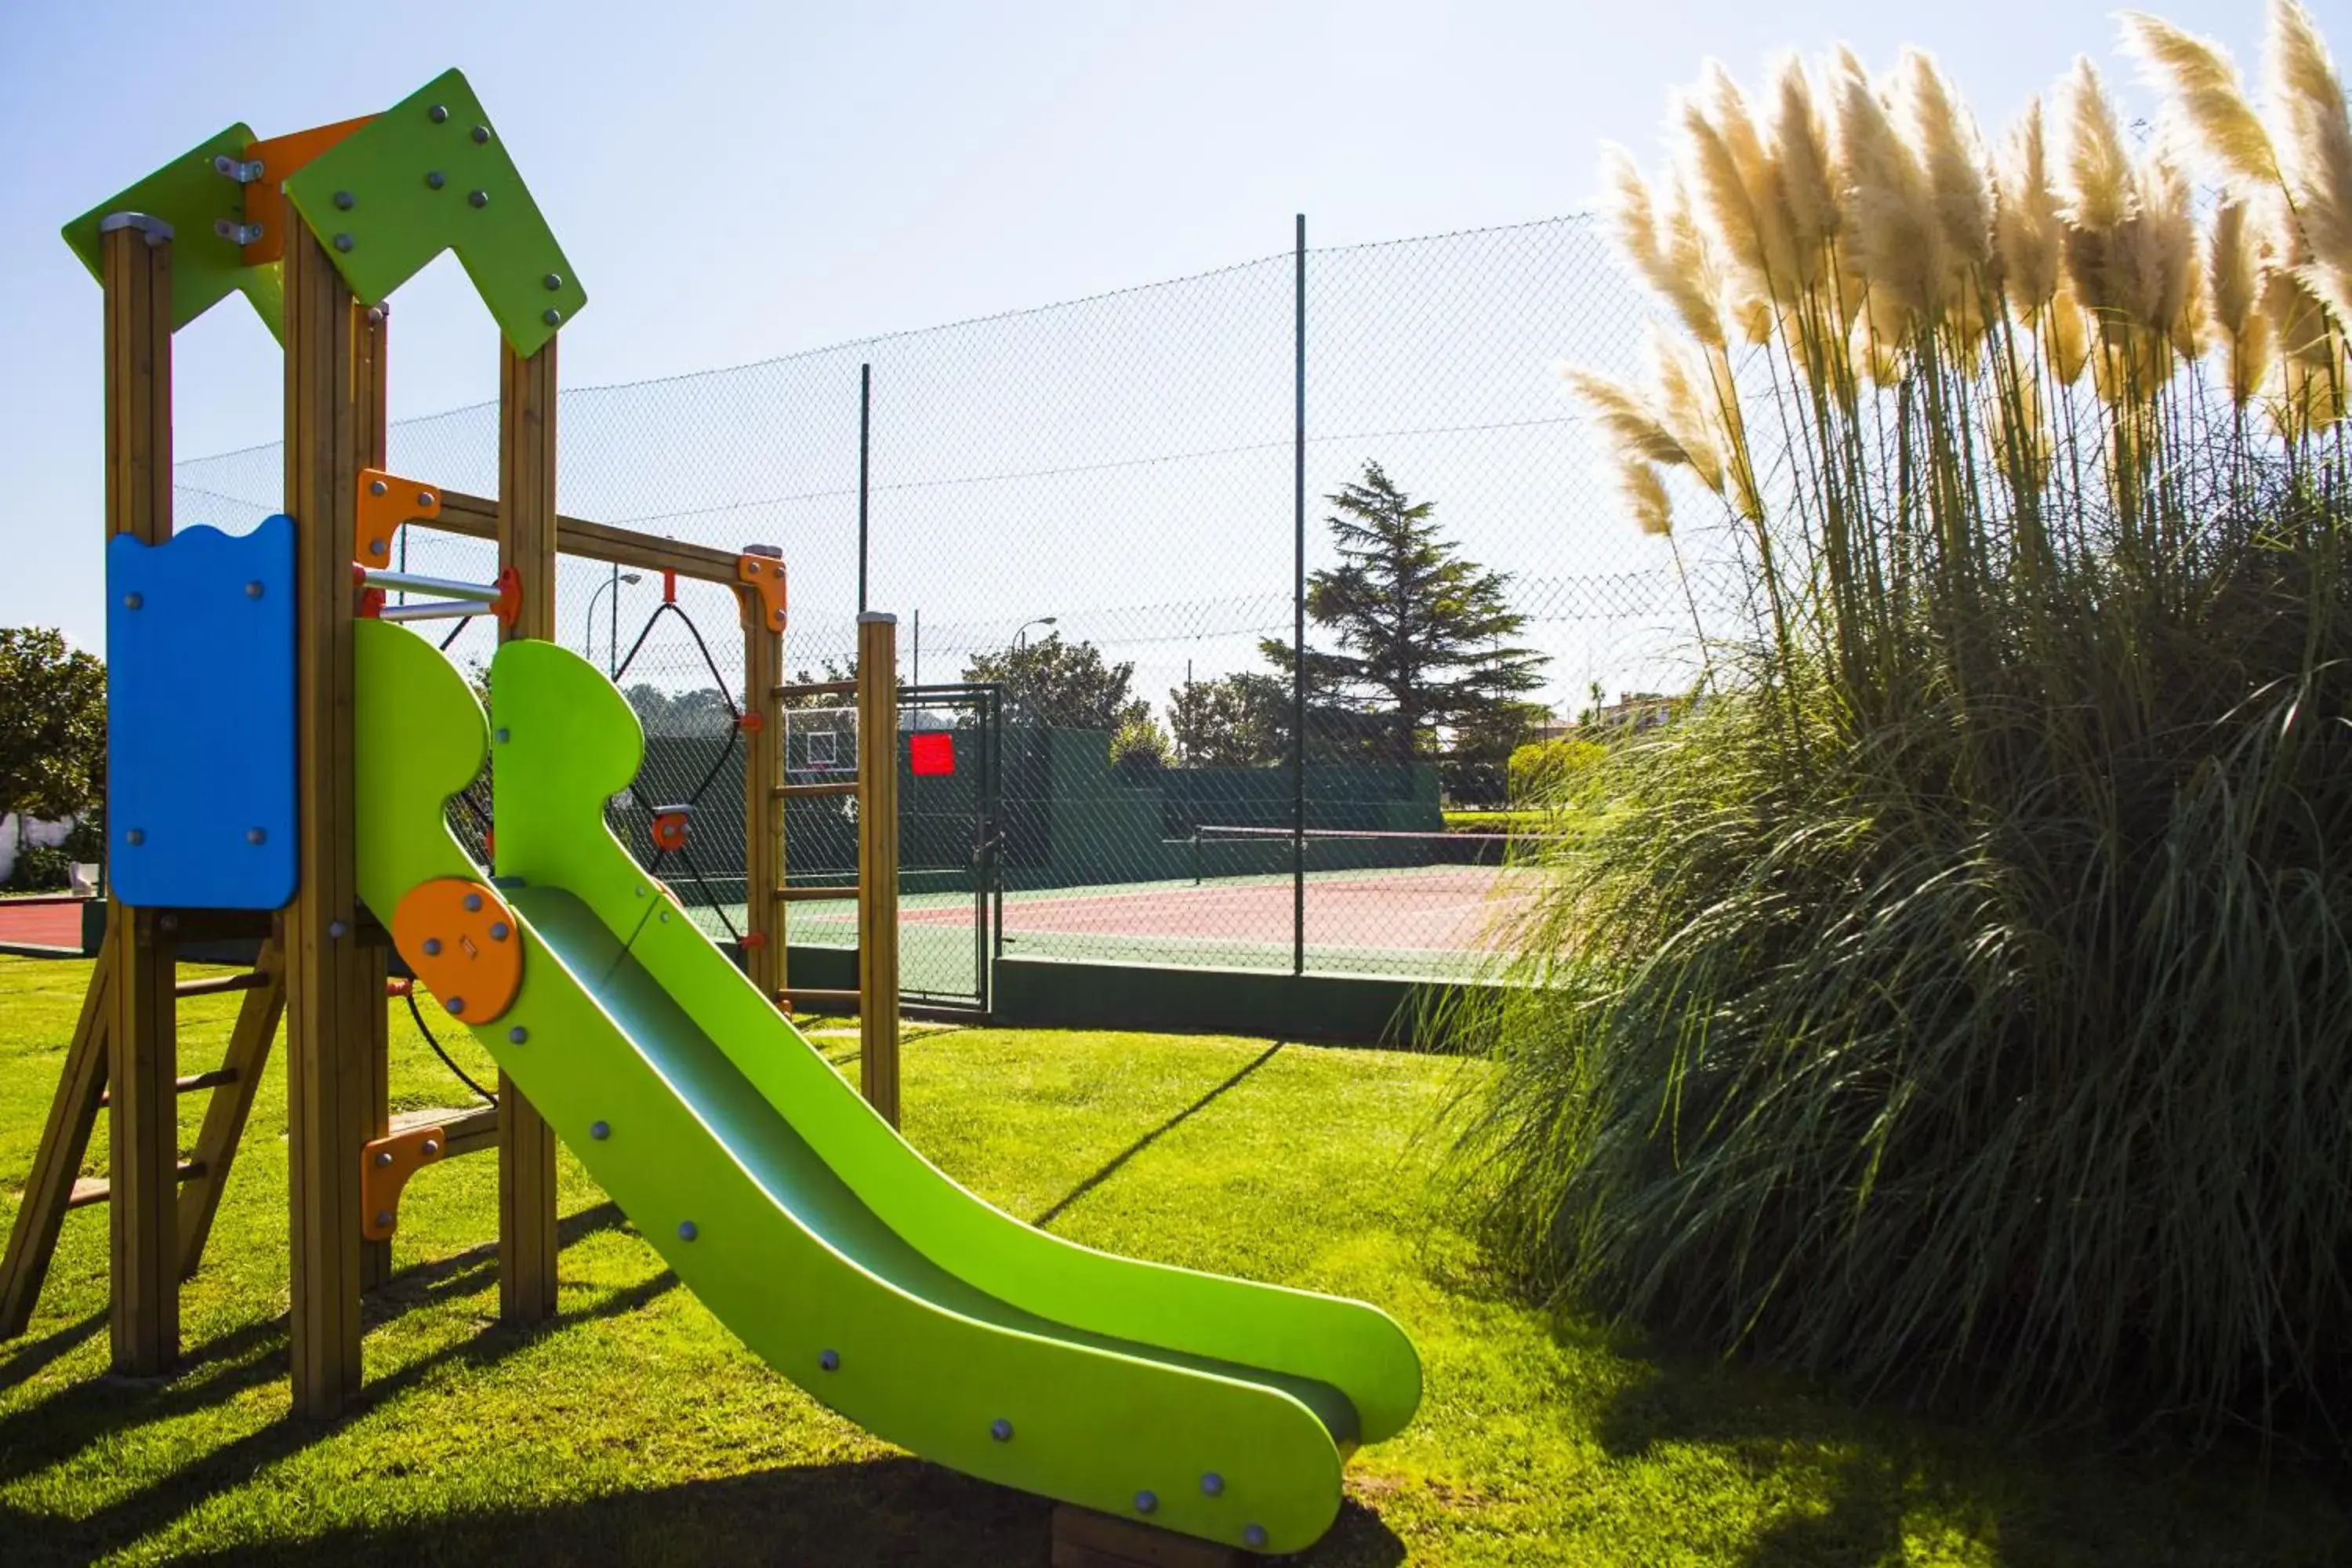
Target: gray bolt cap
{"points": [[687, 1230], [132, 601], [438, 113], [383, 1158], [344, 242], [599, 1130], [375, 486], [253, 590], [1146, 1503], [1001, 1429], [455, 1006], [518, 1035], [344, 200], [255, 835], [382, 1217], [1253, 1535], [432, 947], [435, 179], [479, 198], [1212, 1485], [136, 835], [829, 1360]]}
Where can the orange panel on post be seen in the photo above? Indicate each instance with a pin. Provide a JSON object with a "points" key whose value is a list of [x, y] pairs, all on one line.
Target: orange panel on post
{"points": [[765, 573], [385, 1165], [388, 500], [459, 936], [265, 197]]}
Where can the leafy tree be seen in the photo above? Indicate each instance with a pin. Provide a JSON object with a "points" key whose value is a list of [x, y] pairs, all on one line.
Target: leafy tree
{"points": [[1239, 720], [1476, 769], [1064, 684], [1423, 632], [1140, 748], [52, 725]]}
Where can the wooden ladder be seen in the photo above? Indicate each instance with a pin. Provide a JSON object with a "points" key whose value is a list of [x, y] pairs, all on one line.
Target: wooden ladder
{"points": [[57, 1185]]}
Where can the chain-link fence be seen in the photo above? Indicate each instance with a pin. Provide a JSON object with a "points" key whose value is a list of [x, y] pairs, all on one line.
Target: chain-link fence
{"points": [[1093, 504]]}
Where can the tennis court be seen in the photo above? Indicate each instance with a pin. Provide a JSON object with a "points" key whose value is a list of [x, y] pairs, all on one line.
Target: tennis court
{"points": [[1433, 922]]}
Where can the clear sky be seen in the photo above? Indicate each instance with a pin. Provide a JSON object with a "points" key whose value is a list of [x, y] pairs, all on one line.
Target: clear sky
{"points": [[737, 182]]}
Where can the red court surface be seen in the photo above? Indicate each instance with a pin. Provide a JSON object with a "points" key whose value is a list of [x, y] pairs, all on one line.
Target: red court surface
{"points": [[41, 922], [1450, 909]]}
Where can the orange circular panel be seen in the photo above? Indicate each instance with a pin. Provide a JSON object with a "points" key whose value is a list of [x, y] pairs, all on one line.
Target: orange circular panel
{"points": [[460, 938]]}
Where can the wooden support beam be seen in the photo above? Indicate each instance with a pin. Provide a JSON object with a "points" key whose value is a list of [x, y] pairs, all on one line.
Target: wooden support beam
{"points": [[763, 772], [326, 968], [466, 1131], [142, 1122], [877, 861], [372, 335], [99, 1190], [812, 791], [1085, 1539], [476, 517], [144, 1150], [849, 999], [815, 895], [527, 545], [65, 1139], [239, 1081], [220, 984], [190, 1083]]}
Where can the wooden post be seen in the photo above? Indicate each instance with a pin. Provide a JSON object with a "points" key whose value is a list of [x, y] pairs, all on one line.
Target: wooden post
{"points": [[142, 1128], [371, 330], [763, 813], [877, 861], [327, 1030], [527, 545]]}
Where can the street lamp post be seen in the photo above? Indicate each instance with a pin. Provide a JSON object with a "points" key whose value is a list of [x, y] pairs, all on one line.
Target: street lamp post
{"points": [[588, 641], [1021, 635]]}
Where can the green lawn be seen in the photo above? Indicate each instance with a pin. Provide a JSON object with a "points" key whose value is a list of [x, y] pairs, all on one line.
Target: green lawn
{"points": [[636, 1430]]}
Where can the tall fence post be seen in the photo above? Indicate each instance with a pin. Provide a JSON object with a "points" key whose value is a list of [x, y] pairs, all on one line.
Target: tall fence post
{"points": [[1298, 620], [865, 469]]}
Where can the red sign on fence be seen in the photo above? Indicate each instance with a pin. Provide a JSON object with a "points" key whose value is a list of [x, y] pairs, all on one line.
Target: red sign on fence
{"points": [[933, 752]]}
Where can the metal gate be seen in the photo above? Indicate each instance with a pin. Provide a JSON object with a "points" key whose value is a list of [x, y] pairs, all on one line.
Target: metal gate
{"points": [[951, 831]]}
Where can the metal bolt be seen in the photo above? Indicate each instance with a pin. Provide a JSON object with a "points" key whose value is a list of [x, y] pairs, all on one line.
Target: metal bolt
{"points": [[455, 1004], [344, 242], [1146, 1503], [553, 280], [434, 179], [518, 1035], [829, 1361], [753, 567], [432, 947], [377, 546], [431, 1147], [686, 1231], [473, 903], [481, 135], [344, 200], [1001, 1429], [375, 315], [499, 931], [438, 113], [253, 590], [136, 835], [338, 930], [377, 487], [170, 923], [504, 736], [665, 915], [641, 892], [384, 1219], [1212, 1485], [1254, 1536], [551, 316], [424, 498], [132, 601], [479, 198], [599, 1130], [256, 836], [383, 1158]]}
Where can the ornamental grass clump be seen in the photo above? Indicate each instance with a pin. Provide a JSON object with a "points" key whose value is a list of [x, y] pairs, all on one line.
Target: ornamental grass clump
{"points": [[1960, 997]]}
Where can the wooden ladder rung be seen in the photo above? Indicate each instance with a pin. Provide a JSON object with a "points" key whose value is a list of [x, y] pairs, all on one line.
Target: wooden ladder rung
{"points": [[790, 689], [810, 791], [815, 993], [188, 1083], [97, 1189], [811, 895], [221, 985]]}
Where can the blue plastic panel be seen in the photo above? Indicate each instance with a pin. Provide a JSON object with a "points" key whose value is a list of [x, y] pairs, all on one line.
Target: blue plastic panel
{"points": [[200, 718]]}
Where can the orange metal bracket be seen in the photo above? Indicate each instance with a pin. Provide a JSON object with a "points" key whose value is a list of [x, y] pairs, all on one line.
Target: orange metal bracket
{"points": [[509, 603], [385, 1165], [752, 722], [669, 826], [265, 197], [388, 500], [459, 936], [765, 575]]}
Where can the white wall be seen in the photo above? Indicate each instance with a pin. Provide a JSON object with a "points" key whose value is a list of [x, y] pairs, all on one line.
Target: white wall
{"points": [[35, 833]]}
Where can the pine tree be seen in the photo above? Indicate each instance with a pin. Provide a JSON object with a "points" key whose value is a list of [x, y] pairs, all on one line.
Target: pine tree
{"points": [[1423, 632]]}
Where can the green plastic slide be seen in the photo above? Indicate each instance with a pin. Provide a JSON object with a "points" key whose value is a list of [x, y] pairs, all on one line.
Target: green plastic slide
{"points": [[1209, 1405]]}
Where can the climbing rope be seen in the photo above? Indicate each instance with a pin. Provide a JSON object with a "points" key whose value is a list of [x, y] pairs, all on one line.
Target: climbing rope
{"points": [[669, 607]]}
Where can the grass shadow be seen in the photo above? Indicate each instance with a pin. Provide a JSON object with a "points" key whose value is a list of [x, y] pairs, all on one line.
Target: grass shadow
{"points": [[27, 1360], [1112, 1166]]}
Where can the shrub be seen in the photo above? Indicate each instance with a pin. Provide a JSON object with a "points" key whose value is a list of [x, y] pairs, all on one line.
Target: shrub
{"points": [[39, 869], [1963, 996], [1140, 748], [1546, 773]]}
